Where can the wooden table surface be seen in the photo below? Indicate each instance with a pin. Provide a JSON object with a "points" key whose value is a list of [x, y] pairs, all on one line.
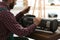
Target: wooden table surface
{"points": [[45, 36]]}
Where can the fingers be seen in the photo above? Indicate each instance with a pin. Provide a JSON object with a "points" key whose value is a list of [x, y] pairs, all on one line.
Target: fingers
{"points": [[37, 21]]}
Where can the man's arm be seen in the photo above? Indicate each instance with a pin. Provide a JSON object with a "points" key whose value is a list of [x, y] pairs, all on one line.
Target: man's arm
{"points": [[11, 24], [20, 14]]}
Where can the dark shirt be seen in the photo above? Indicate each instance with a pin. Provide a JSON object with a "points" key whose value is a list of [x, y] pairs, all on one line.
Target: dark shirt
{"points": [[8, 24]]}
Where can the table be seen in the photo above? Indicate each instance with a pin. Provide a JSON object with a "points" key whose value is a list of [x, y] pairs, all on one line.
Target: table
{"points": [[44, 36]]}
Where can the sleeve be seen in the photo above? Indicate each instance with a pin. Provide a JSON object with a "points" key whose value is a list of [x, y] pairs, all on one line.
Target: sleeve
{"points": [[19, 15], [12, 25], [24, 11]]}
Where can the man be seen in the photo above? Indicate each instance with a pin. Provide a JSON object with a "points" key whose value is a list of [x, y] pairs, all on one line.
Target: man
{"points": [[8, 23]]}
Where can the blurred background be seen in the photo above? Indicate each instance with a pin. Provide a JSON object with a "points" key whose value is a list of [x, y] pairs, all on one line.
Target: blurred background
{"points": [[39, 8]]}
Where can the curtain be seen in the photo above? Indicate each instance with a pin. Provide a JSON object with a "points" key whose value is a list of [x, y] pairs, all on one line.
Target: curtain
{"points": [[25, 3], [36, 7]]}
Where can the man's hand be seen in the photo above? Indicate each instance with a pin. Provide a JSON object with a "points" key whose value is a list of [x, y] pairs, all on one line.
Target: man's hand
{"points": [[37, 21], [26, 10]]}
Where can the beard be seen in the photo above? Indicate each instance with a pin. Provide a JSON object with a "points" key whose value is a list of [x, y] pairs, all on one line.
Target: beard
{"points": [[11, 5]]}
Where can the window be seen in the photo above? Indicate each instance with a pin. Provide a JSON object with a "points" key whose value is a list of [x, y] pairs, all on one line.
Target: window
{"points": [[40, 8], [52, 7]]}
